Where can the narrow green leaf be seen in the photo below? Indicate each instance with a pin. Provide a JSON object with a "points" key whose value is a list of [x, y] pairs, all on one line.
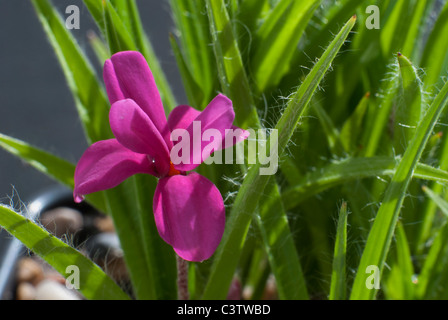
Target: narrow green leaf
{"points": [[91, 101], [380, 236], [95, 8], [279, 246], [94, 283], [395, 31], [352, 128], [232, 75], [118, 37], [332, 134], [412, 46], [194, 93], [277, 40], [193, 33], [160, 256], [436, 260], [99, 47], [440, 202], [338, 278], [432, 278], [404, 263], [349, 169], [50, 165], [123, 207], [376, 127], [410, 110], [57, 168], [435, 56]]}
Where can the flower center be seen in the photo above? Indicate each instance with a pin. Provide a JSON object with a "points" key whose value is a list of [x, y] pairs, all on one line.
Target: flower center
{"points": [[173, 171]]}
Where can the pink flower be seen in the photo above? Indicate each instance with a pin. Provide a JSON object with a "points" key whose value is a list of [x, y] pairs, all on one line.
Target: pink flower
{"points": [[188, 208]]}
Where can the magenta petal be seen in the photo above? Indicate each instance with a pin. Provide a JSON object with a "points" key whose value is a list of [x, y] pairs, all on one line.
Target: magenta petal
{"points": [[135, 130], [105, 165], [127, 76], [181, 117], [190, 216], [218, 115], [111, 81]]}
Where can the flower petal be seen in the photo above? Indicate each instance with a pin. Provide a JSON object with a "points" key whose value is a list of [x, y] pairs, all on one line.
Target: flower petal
{"points": [[218, 115], [127, 76], [183, 116], [111, 82], [190, 215], [135, 130], [105, 165]]}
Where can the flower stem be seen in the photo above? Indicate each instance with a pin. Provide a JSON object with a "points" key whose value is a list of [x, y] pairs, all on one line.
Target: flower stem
{"points": [[182, 279]]}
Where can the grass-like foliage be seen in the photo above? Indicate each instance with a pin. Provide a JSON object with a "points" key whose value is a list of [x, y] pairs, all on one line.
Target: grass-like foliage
{"points": [[356, 91]]}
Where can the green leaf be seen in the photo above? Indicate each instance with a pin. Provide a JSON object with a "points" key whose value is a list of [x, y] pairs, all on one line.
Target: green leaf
{"points": [[118, 36], [194, 93], [395, 31], [160, 256], [150, 261], [341, 172], [91, 101], [352, 127], [94, 283], [380, 236], [440, 202], [95, 8], [404, 264], [194, 37], [413, 45], [123, 207], [411, 109], [52, 166], [435, 56], [379, 121], [332, 134], [232, 75], [338, 278], [280, 248], [435, 264], [99, 47], [254, 184], [277, 40]]}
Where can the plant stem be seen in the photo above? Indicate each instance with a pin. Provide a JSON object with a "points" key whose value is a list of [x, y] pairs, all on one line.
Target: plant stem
{"points": [[182, 279]]}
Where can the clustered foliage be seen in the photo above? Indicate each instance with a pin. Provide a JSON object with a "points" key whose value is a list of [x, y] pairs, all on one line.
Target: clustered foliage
{"points": [[363, 151]]}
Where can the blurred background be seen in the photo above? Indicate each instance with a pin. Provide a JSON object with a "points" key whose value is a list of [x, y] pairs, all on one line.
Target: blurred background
{"points": [[35, 102]]}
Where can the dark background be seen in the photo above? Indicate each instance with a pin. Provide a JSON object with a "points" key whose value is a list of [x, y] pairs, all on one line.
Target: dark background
{"points": [[35, 102]]}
